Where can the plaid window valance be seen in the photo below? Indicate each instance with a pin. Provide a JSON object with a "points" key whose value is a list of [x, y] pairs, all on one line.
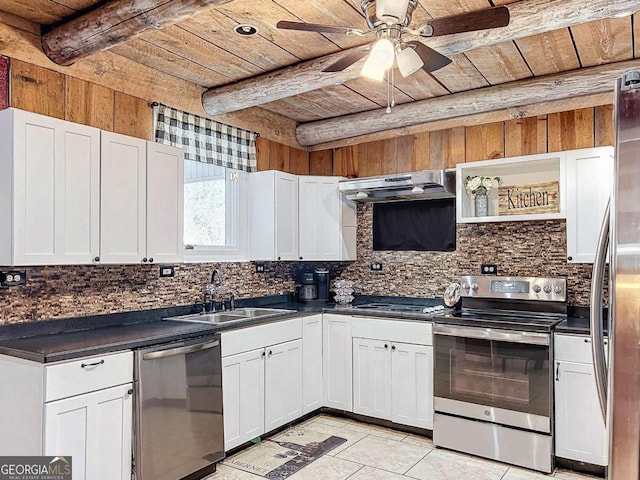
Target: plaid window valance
{"points": [[205, 140]]}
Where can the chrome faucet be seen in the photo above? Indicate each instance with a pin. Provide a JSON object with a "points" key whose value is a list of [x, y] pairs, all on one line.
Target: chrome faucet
{"points": [[213, 291]]}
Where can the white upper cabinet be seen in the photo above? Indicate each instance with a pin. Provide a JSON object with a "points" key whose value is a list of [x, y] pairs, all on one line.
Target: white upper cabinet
{"points": [[165, 203], [142, 190], [299, 218], [123, 235], [589, 185], [273, 216], [327, 222], [49, 190]]}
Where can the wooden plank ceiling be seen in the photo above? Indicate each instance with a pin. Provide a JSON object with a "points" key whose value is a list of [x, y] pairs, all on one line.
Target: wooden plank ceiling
{"points": [[204, 50]]}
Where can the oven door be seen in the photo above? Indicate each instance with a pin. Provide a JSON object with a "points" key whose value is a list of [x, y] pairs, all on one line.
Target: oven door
{"points": [[499, 376]]}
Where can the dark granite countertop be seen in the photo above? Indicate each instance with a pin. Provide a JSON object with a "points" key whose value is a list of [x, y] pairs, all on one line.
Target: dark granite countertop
{"points": [[577, 322], [54, 340]]}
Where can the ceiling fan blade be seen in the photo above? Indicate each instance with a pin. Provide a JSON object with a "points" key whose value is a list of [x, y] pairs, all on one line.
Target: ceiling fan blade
{"points": [[312, 27], [469, 22], [347, 60], [432, 60]]}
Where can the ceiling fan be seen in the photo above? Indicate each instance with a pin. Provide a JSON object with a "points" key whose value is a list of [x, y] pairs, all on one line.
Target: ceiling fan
{"points": [[389, 20]]}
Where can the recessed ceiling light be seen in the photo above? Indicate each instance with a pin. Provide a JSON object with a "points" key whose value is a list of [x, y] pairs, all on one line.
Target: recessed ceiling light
{"points": [[245, 30]]}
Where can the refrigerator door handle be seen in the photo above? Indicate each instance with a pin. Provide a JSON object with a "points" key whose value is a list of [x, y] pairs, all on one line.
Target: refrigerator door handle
{"points": [[597, 334]]}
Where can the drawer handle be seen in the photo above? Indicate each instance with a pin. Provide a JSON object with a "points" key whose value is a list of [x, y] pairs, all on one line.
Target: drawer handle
{"points": [[587, 340], [94, 364]]}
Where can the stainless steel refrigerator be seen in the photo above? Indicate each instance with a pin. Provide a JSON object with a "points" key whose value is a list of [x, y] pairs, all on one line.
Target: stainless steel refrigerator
{"points": [[619, 384]]}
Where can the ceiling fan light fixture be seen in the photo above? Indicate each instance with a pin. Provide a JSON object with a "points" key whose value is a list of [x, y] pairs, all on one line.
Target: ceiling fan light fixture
{"points": [[380, 59], [391, 11], [409, 62]]}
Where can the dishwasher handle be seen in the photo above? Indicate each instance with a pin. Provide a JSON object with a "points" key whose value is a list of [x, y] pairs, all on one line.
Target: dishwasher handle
{"points": [[172, 352]]}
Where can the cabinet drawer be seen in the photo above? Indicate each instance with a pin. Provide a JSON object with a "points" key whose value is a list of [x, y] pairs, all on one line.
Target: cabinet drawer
{"points": [[573, 348], [419, 333], [87, 375], [251, 338]]}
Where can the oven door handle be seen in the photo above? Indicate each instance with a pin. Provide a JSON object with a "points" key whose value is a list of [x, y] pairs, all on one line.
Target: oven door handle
{"points": [[533, 338]]}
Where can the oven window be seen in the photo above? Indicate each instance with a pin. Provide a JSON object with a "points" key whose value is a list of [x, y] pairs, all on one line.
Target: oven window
{"points": [[511, 376]]}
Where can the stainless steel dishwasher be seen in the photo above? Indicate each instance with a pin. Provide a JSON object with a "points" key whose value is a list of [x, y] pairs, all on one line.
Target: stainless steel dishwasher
{"points": [[179, 428]]}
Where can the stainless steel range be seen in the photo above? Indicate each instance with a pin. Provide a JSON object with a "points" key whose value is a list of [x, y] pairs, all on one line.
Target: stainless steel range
{"points": [[493, 374]]}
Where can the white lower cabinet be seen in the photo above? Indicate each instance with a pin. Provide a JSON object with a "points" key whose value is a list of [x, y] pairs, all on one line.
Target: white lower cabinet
{"points": [[393, 381], [311, 363], [262, 387], [243, 397], [580, 433], [80, 408], [95, 430], [392, 378], [337, 362]]}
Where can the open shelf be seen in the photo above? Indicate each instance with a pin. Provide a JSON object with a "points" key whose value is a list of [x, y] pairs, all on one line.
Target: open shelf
{"points": [[518, 172]]}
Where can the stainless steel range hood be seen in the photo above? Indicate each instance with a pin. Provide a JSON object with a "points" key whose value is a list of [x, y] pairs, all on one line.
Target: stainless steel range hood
{"points": [[426, 184]]}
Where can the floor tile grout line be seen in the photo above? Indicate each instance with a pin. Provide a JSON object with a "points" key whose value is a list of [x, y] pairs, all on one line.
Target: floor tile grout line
{"points": [[421, 458], [361, 467]]}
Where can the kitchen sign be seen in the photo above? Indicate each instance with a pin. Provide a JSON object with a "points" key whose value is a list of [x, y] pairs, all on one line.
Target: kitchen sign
{"points": [[530, 198]]}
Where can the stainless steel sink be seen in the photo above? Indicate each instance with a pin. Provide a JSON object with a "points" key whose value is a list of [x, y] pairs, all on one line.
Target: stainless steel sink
{"points": [[231, 315]]}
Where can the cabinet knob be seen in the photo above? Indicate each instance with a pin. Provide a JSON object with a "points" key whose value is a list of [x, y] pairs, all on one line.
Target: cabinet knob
{"points": [[96, 259], [130, 391], [263, 354], [144, 260], [270, 352], [300, 258], [278, 258], [151, 260], [569, 258], [393, 347], [386, 346]]}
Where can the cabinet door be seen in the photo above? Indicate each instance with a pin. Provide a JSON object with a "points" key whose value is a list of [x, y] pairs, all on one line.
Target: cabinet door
{"points": [[319, 217], [165, 203], [589, 185], [372, 378], [412, 385], [283, 384], [580, 430], [337, 362], [57, 188], [243, 397], [311, 363], [95, 429], [286, 216], [123, 229]]}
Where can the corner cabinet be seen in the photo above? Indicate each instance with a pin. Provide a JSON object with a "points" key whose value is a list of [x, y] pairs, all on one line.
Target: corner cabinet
{"points": [[589, 186], [49, 190], [531, 187], [142, 185], [299, 218]]}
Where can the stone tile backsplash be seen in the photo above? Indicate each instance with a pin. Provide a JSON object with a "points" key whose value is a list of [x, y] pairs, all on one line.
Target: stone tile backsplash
{"points": [[519, 248]]}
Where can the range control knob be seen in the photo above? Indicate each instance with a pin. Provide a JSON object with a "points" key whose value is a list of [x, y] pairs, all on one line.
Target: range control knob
{"points": [[557, 289], [475, 287], [465, 286], [547, 288], [536, 288]]}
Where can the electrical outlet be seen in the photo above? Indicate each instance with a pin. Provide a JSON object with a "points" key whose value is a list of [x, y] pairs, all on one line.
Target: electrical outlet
{"points": [[489, 269], [13, 278], [259, 267], [376, 266], [167, 271]]}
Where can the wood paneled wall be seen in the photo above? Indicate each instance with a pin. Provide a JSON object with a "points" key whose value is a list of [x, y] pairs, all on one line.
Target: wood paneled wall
{"points": [[44, 91], [588, 127]]}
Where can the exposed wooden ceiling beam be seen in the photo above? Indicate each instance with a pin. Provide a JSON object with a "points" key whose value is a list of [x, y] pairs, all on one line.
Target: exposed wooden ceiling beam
{"points": [[116, 22], [21, 39], [528, 17], [586, 81], [505, 114]]}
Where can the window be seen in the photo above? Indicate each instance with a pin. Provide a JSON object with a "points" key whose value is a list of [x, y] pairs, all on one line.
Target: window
{"points": [[214, 212]]}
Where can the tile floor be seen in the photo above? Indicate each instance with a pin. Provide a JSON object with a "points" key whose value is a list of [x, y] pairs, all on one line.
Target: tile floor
{"points": [[376, 453]]}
